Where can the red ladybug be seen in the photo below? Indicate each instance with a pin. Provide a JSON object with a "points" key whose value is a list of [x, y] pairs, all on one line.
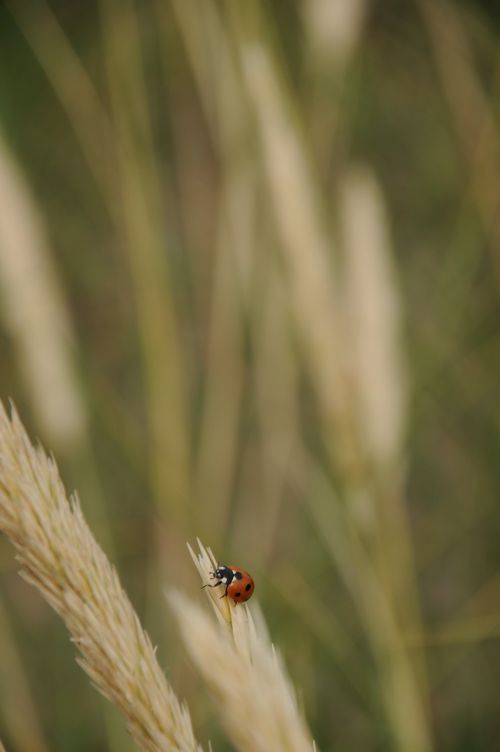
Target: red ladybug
{"points": [[239, 584]]}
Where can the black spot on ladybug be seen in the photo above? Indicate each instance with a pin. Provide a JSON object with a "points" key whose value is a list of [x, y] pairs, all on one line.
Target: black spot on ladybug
{"points": [[248, 587], [238, 575], [237, 595]]}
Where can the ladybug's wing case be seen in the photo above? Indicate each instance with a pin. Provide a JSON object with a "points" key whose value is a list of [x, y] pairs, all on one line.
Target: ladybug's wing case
{"points": [[241, 587]]}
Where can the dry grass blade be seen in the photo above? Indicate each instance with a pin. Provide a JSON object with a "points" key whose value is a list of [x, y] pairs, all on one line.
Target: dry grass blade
{"points": [[61, 558], [253, 693]]}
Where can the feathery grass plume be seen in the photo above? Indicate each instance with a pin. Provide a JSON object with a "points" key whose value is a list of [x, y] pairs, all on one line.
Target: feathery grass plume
{"points": [[246, 674], [61, 558]]}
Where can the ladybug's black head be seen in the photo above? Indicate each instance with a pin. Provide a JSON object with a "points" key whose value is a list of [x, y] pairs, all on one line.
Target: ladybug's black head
{"points": [[224, 574]]}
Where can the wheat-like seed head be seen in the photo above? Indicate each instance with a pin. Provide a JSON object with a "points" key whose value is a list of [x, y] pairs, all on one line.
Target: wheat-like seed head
{"points": [[246, 674], [60, 556]]}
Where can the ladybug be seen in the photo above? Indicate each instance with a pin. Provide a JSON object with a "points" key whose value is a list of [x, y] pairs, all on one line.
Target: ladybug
{"points": [[239, 584]]}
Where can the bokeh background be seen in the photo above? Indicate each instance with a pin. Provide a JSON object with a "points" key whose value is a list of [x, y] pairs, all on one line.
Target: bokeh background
{"points": [[250, 291]]}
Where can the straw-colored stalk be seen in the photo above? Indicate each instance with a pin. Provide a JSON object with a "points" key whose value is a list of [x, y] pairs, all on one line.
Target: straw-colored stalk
{"points": [[59, 555], [254, 696]]}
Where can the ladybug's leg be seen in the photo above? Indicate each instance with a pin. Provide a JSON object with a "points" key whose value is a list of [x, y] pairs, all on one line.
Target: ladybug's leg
{"points": [[216, 584]]}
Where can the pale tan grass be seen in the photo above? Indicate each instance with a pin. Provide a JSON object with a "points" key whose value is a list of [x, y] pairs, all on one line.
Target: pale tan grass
{"points": [[374, 315], [308, 249], [59, 555], [253, 693]]}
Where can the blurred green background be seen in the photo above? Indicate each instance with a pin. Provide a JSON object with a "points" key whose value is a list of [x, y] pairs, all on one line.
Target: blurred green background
{"points": [[250, 291]]}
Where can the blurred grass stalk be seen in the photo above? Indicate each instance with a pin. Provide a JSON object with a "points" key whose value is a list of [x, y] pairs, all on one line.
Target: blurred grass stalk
{"points": [[120, 154], [358, 392], [223, 391], [472, 107], [473, 114], [305, 243], [333, 31], [321, 321], [373, 319], [142, 215], [250, 267], [212, 62], [74, 88], [277, 396]]}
